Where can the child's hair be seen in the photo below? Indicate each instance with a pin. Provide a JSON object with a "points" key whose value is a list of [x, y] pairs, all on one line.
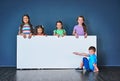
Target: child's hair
{"points": [[92, 48], [59, 22], [21, 26], [39, 26], [83, 24]]}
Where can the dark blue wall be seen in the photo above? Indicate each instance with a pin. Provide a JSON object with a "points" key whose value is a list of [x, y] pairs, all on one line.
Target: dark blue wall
{"points": [[102, 19]]}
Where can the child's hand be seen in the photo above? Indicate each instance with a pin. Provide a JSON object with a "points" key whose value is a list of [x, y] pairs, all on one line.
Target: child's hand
{"points": [[63, 35], [76, 36], [45, 35], [30, 35], [95, 68], [76, 53], [24, 36], [85, 35], [58, 36]]}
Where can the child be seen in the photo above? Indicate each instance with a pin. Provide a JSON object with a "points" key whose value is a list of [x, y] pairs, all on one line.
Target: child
{"points": [[26, 28], [80, 29], [91, 64], [59, 31], [39, 30]]}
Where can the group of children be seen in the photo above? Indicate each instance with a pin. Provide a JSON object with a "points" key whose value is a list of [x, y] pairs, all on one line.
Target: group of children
{"points": [[26, 29]]}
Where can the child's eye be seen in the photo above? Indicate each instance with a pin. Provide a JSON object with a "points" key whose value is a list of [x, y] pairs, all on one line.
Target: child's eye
{"points": [[25, 18]]}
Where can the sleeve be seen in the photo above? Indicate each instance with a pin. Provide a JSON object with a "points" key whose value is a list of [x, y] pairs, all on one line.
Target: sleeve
{"points": [[94, 60], [64, 31], [74, 29], [54, 32]]}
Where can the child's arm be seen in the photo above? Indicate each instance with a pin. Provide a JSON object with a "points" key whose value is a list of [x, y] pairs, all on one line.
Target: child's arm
{"points": [[55, 34], [73, 32], [85, 35], [81, 54], [96, 68], [64, 34], [23, 35], [19, 33], [30, 35]]}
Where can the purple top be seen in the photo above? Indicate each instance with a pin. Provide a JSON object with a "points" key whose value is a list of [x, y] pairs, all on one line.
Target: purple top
{"points": [[78, 30]]}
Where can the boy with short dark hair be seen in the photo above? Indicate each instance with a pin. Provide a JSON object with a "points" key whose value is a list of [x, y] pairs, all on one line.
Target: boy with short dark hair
{"points": [[91, 64]]}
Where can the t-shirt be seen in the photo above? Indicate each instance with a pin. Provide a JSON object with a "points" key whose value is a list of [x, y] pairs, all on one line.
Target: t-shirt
{"points": [[26, 29], [92, 60], [78, 30], [60, 31]]}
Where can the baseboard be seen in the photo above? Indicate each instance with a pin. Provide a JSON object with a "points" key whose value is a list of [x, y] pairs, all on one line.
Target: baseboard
{"points": [[109, 67], [100, 67]]}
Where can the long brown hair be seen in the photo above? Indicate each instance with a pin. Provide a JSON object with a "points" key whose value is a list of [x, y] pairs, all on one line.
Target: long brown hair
{"points": [[21, 26], [83, 24]]}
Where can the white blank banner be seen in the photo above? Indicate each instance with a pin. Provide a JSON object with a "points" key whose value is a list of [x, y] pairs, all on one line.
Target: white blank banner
{"points": [[51, 51]]}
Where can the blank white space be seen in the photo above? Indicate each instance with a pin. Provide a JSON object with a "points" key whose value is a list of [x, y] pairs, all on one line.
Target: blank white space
{"points": [[51, 51]]}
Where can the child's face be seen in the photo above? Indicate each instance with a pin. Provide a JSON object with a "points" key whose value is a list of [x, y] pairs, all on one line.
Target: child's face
{"points": [[91, 51], [80, 20], [25, 19], [39, 30], [59, 25]]}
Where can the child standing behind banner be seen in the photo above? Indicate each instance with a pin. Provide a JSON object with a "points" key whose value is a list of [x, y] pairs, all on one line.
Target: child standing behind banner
{"points": [[80, 29], [59, 31], [39, 30], [26, 28]]}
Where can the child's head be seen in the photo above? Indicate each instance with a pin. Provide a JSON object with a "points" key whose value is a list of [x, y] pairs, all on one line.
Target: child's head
{"points": [[59, 25], [92, 50], [26, 19], [39, 30], [80, 20]]}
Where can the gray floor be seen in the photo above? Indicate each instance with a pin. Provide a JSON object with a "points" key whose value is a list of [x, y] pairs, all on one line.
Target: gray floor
{"points": [[11, 74]]}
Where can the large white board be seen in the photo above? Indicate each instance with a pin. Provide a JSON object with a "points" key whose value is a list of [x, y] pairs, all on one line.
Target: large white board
{"points": [[51, 51]]}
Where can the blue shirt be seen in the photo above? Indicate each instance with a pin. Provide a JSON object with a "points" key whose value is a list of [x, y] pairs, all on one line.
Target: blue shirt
{"points": [[92, 60]]}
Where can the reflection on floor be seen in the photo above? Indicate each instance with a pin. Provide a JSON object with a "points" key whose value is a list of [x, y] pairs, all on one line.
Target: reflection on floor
{"points": [[105, 74]]}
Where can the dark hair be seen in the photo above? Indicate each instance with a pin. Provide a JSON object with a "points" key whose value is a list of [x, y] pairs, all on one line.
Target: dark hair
{"points": [[37, 27], [21, 26], [60, 22], [83, 24], [92, 48]]}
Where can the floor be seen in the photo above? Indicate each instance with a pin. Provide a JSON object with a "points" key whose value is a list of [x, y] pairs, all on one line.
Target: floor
{"points": [[105, 74]]}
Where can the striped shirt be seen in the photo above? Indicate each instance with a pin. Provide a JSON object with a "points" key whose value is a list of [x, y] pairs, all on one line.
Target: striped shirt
{"points": [[26, 29]]}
